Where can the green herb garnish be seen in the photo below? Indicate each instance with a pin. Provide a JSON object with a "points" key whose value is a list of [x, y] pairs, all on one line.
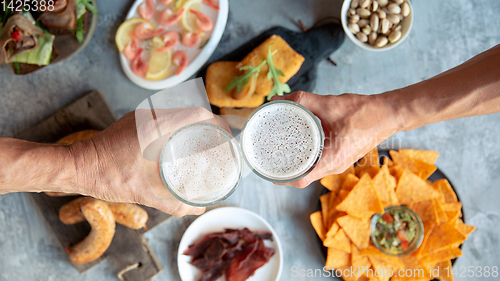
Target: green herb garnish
{"points": [[240, 81], [90, 7], [80, 32], [17, 68], [274, 73]]}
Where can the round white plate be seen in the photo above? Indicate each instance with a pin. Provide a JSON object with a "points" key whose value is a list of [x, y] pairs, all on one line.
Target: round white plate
{"points": [[230, 217], [196, 56]]}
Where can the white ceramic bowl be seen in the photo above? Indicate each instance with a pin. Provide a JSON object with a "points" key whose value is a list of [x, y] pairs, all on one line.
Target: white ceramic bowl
{"points": [[406, 25], [230, 217], [218, 17]]}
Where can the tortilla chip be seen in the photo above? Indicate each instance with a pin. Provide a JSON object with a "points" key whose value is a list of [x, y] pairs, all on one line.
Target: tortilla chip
{"points": [[426, 156], [440, 197], [444, 186], [442, 217], [285, 59], [412, 188], [350, 181], [333, 214], [382, 267], [464, 229], [337, 259], [426, 210], [369, 164], [357, 260], [444, 269], [454, 223], [317, 223], [333, 229], [396, 171], [428, 227], [418, 167], [387, 161], [334, 182], [343, 194], [339, 241], [442, 237], [362, 201], [452, 210], [356, 229], [218, 76], [441, 256], [419, 270], [390, 261], [324, 199], [385, 185]]}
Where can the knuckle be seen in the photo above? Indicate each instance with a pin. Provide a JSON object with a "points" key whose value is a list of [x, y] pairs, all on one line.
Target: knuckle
{"points": [[202, 112]]}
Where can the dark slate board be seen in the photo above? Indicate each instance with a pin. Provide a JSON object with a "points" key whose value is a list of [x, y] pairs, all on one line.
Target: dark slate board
{"points": [[315, 44], [91, 111]]}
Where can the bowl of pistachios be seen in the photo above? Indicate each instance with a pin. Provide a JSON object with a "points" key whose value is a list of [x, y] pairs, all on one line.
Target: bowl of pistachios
{"points": [[377, 25]]}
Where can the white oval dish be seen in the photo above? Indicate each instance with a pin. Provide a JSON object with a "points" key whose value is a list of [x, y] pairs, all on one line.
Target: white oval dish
{"points": [[200, 58], [406, 26], [229, 217]]}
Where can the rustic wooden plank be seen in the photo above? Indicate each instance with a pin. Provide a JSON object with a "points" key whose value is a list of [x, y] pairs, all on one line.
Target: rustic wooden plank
{"points": [[91, 112], [136, 254]]}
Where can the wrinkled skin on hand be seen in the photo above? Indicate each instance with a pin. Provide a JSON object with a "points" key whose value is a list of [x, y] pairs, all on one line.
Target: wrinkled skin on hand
{"points": [[111, 165]]}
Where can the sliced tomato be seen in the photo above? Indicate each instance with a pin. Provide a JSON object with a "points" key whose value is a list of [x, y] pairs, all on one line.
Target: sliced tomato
{"points": [[404, 245], [401, 234], [387, 217]]}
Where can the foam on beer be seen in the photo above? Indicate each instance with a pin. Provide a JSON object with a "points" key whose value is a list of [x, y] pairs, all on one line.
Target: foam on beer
{"points": [[281, 141], [201, 164]]}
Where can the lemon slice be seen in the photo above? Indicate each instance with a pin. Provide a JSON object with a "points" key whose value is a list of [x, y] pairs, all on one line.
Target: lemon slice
{"points": [[159, 63], [122, 37], [157, 42], [188, 19], [178, 4]]}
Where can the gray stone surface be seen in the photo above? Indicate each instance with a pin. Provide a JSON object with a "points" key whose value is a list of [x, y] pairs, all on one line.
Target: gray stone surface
{"points": [[445, 34]]}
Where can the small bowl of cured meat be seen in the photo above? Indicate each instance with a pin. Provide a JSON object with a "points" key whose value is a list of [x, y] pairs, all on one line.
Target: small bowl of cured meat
{"points": [[230, 244]]}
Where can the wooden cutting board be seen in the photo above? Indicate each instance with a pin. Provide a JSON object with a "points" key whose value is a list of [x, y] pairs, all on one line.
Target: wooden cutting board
{"points": [[129, 250]]}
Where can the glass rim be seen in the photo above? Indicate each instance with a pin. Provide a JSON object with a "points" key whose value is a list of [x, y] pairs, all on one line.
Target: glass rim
{"points": [[235, 145], [414, 245], [316, 120]]}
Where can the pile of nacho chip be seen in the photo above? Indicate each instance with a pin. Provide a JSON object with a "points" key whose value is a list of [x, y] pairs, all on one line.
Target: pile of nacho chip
{"points": [[343, 224]]}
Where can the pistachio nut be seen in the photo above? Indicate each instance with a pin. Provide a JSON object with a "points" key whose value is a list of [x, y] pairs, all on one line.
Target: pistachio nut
{"points": [[405, 9], [362, 37], [394, 8], [381, 41], [354, 28]]}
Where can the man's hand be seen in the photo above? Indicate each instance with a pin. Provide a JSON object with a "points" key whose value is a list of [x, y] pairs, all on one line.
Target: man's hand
{"points": [[111, 165], [353, 125]]}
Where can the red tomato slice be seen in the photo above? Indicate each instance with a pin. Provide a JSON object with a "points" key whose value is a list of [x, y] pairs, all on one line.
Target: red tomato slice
{"points": [[387, 217], [401, 234], [404, 245]]}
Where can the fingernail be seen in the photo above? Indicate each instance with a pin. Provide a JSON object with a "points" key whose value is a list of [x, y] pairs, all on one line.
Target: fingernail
{"points": [[198, 211], [277, 98]]}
